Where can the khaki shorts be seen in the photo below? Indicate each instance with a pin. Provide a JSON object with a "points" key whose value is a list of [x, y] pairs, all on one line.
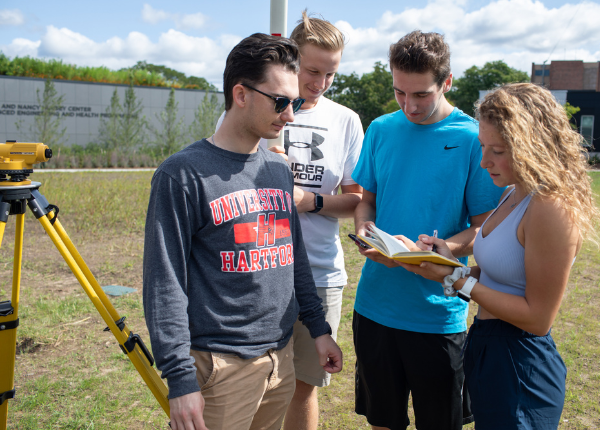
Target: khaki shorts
{"points": [[250, 394], [306, 360]]}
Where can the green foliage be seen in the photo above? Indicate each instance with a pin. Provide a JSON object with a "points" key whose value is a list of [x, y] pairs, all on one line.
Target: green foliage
{"points": [[176, 77], [151, 75], [169, 136], [465, 91], [570, 111], [206, 117], [46, 125], [124, 127], [370, 96], [391, 106], [109, 129], [132, 123]]}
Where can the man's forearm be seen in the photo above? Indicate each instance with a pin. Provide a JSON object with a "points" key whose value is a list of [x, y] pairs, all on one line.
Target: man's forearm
{"points": [[364, 212], [461, 244], [336, 206]]}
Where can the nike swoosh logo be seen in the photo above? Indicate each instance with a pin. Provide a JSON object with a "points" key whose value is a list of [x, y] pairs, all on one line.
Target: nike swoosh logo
{"points": [[450, 147]]}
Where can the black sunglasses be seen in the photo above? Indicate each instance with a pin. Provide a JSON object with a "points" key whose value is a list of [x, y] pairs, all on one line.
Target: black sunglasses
{"points": [[281, 103]]}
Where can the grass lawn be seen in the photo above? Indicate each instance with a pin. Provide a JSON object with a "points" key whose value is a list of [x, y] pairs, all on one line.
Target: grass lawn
{"points": [[72, 375]]}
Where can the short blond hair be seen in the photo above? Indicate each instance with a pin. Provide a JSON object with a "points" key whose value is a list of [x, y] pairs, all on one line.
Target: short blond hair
{"points": [[546, 153], [318, 32]]}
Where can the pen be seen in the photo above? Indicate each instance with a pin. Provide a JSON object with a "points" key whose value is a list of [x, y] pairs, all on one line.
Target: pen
{"points": [[434, 248]]}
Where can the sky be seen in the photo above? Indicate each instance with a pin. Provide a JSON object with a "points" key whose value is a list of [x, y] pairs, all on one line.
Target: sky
{"points": [[195, 37]]}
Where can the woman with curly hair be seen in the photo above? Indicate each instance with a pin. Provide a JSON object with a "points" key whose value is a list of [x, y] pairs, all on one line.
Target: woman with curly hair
{"points": [[524, 253]]}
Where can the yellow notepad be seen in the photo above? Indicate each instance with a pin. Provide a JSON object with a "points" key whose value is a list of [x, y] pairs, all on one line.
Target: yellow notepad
{"points": [[393, 248]]}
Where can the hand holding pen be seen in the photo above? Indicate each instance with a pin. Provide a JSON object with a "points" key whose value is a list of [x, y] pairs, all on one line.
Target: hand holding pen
{"points": [[434, 248]]}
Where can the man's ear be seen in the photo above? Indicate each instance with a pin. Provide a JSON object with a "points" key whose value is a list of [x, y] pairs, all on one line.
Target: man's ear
{"points": [[240, 95], [447, 84]]}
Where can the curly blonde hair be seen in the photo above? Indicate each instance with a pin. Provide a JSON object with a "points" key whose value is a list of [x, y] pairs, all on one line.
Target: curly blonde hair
{"points": [[547, 155], [318, 32]]}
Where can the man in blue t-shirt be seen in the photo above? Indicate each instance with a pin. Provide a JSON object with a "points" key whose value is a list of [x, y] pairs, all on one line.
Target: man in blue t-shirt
{"points": [[420, 171]]}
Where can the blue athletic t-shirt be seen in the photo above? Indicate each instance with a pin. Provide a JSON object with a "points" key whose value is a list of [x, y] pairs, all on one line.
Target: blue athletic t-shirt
{"points": [[426, 177]]}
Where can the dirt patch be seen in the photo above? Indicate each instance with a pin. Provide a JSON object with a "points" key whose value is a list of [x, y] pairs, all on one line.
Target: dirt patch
{"points": [[28, 346]]}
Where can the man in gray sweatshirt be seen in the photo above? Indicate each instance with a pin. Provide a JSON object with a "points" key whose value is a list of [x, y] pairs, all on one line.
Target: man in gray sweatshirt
{"points": [[225, 269]]}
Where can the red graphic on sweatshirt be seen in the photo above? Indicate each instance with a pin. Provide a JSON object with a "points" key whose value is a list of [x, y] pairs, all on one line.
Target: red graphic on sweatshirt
{"points": [[263, 232]]}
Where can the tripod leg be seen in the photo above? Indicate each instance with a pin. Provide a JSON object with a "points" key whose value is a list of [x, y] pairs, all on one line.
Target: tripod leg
{"points": [[9, 322], [130, 343]]}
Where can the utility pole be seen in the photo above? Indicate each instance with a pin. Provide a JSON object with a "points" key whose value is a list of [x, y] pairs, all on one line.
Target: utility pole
{"points": [[278, 28]]}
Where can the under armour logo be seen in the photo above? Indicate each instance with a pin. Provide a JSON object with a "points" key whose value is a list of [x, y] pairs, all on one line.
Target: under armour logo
{"points": [[315, 153]]}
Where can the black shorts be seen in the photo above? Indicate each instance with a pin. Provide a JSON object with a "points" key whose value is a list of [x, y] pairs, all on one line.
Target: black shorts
{"points": [[392, 363]]}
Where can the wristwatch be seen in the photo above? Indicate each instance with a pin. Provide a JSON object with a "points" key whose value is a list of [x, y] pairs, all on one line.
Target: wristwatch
{"points": [[318, 203], [465, 292]]}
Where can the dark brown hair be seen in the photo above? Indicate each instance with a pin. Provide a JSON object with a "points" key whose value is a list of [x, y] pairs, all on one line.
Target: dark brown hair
{"points": [[419, 52], [248, 60]]}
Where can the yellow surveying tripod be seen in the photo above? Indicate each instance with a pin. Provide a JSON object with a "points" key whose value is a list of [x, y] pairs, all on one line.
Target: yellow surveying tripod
{"points": [[16, 193]]}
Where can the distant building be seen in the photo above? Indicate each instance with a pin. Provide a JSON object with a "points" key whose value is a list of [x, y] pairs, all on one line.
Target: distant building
{"points": [[581, 81], [84, 104]]}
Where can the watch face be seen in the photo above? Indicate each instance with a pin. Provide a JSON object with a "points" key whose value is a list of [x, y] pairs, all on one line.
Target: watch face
{"points": [[318, 200]]}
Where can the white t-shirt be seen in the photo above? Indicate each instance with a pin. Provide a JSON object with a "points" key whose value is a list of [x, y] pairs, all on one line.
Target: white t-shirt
{"points": [[323, 145]]}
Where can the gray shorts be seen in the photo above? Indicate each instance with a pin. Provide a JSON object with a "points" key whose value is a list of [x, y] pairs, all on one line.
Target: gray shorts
{"points": [[306, 360]]}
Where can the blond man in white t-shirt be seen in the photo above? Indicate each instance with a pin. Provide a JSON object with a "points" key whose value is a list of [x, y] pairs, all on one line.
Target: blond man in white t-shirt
{"points": [[322, 147]]}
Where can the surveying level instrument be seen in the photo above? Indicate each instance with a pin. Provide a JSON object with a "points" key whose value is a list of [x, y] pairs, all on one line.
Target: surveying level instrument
{"points": [[17, 192]]}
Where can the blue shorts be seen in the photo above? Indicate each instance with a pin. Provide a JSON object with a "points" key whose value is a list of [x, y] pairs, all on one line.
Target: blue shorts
{"points": [[515, 379]]}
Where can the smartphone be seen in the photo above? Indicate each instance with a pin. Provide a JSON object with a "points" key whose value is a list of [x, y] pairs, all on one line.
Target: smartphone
{"points": [[359, 241]]}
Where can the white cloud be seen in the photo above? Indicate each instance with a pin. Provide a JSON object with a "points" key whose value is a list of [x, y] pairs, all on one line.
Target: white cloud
{"points": [[182, 21], [198, 56], [153, 16], [517, 31], [11, 17], [196, 20], [20, 48]]}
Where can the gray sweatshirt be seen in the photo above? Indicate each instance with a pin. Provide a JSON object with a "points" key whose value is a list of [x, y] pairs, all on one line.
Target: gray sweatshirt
{"points": [[225, 269]]}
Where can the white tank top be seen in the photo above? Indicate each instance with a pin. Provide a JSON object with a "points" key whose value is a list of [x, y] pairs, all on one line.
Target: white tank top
{"points": [[500, 255]]}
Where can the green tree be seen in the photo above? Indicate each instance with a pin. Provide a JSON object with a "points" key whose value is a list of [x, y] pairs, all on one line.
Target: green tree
{"points": [[109, 132], [132, 124], [168, 138], [465, 91], [46, 126], [369, 96], [391, 106], [570, 111], [206, 117], [175, 77]]}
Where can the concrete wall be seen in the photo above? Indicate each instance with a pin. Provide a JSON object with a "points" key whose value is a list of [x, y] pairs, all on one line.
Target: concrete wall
{"points": [[83, 105]]}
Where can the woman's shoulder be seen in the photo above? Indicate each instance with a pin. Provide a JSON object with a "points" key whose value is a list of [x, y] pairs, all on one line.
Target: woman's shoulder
{"points": [[550, 214]]}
